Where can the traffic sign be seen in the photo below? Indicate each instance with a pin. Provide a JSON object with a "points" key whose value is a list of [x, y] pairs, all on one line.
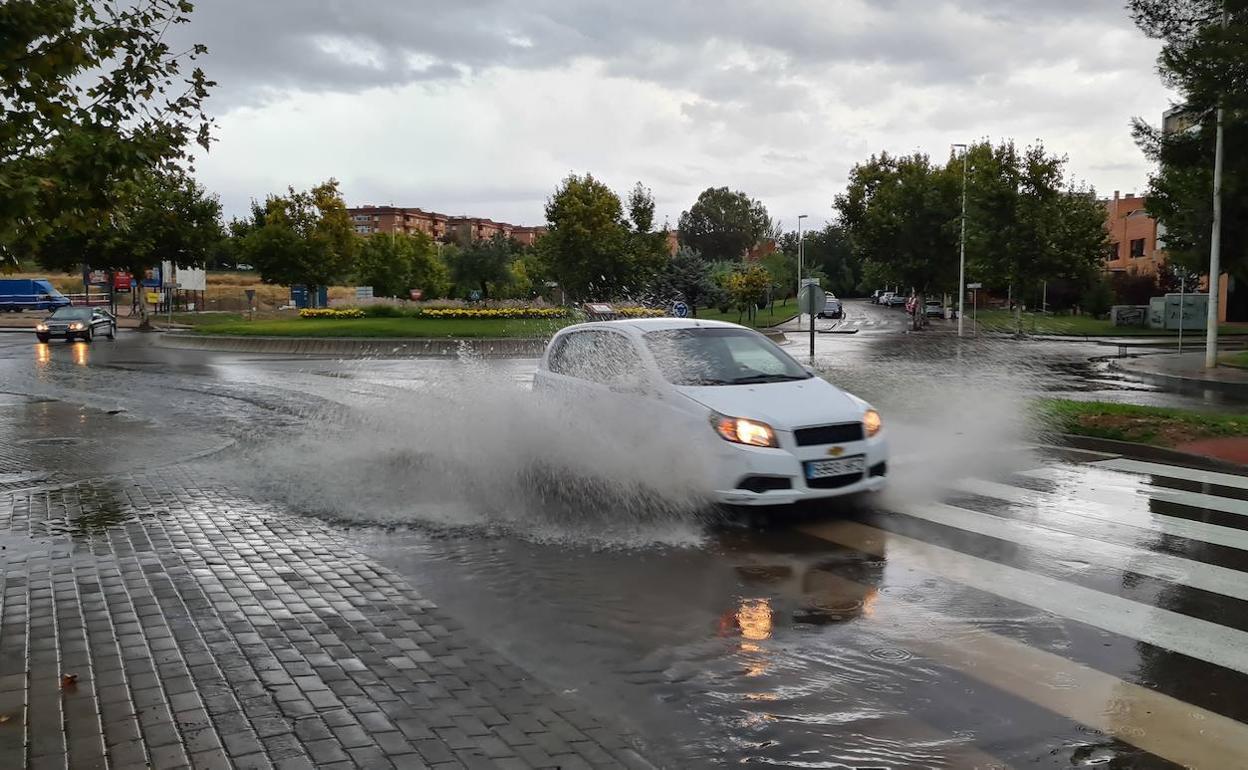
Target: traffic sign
{"points": [[810, 281], [811, 299], [680, 310], [974, 286]]}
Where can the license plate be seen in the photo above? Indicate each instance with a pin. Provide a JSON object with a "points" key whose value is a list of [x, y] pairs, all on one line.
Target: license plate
{"points": [[819, 469]]}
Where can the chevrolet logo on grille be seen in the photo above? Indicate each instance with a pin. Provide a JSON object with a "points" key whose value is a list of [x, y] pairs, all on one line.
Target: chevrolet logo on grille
{"points": [[836, 451]]}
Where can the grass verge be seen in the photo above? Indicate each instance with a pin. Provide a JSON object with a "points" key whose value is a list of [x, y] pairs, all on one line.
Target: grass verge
{"points": [[1236, 359], [1156, 426], [384, 327], [763, 319], [1087, 326]]}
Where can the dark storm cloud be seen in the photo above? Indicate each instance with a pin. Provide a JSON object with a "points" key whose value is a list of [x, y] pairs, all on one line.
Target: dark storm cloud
{"points": [[262, 46]]}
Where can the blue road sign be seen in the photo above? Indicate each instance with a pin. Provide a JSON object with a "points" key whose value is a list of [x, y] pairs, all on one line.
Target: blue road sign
{"points": [[680, 310]]}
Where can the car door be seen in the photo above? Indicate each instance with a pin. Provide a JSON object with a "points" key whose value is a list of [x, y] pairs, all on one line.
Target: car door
{"points": [[101, 321]]}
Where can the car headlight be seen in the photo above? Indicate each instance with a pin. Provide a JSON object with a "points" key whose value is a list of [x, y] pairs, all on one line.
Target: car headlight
{"points": [[76, 326], [872, 423], [41, 327], [739, 430]]}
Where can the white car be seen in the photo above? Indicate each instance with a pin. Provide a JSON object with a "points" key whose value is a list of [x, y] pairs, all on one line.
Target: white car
{"points": [[784, 434]]}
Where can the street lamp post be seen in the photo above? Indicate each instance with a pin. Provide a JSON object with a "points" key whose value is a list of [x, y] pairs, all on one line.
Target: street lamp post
{"points": [[800, 217], [962, 245], [1215, 244]]}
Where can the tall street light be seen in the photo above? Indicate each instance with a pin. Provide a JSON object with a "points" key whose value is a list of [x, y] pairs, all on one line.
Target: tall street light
{"points": [[1215, 243], [800, 217], [962, 245]]}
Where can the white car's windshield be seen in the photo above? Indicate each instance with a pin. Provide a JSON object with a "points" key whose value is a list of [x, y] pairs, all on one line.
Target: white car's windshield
{"points": [[718, 356]]}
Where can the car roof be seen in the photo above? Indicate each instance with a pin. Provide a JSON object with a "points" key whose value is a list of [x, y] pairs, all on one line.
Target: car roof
{"points": [[654, 324]]}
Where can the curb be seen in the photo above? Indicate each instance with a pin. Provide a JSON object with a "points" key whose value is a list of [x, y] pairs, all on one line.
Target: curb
{"points": [[1150, 453], [1190, 385], [372, 347]]}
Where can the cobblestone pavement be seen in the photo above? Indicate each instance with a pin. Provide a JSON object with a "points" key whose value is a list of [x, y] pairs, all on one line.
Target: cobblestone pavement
{"points": [[160, 619]]}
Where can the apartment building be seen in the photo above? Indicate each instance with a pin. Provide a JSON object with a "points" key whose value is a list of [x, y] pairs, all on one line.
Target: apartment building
{"points": [[1133, 236], [368, 220]]}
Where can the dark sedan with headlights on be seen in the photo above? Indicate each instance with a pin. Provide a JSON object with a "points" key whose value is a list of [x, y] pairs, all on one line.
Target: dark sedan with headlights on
{"points": [[83, 323]]}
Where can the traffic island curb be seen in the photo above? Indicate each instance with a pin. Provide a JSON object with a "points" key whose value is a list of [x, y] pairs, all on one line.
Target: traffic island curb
{"points": [[370, 347], [1149, 453]]}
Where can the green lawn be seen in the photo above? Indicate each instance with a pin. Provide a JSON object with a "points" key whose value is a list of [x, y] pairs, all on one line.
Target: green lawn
{"points": [[1236, 359], [384, 327], [1003, 321], [1158, 426], [762, 319]]}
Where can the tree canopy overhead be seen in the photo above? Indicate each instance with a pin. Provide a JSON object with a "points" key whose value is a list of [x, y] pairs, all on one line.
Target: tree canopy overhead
{"points": [[92, 95], [724, 224], [1207, 63]]}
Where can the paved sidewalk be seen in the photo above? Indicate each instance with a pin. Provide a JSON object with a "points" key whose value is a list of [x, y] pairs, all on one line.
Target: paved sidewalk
{"points": [[160, 620], [1185, 371]]}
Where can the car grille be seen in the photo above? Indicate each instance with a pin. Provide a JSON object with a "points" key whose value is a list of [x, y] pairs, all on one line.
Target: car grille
{"points": [[834, 482], [829, 434]]}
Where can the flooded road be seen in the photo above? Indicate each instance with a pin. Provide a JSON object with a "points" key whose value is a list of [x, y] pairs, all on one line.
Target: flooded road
{"points": [[1005, 605]]}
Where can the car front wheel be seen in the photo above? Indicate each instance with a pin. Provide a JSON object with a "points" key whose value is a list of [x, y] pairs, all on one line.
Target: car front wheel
{"points": [[112, 332], [88, 335], [42, 337]]}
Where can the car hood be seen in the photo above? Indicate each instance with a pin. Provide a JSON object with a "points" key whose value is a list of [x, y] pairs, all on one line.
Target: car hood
{"points": [[782, 405]]}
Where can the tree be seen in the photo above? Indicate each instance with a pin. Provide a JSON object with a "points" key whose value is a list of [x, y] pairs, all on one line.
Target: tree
{"points": [[641, 208], [723, 224], [394, 263], [1207, 64], [307, 238], [783, 271], [162, 216], [748, 289], [587, 245], [1026, 224], [93, 97], [483, 263], [685, 277], [900, 216]]}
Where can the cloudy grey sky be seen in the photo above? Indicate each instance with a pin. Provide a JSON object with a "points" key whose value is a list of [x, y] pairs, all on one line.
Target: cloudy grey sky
{"points": [[481, 106]]}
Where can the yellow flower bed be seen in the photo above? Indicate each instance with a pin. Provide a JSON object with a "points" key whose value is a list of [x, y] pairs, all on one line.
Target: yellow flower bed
{"points": [[495, 312], [639, 312], [329, 312]]}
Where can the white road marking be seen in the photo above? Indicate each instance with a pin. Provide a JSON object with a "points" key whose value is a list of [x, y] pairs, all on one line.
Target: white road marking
{"points": [[1119, 484], [1172, 569], [1196, 638], [1174, 472], [1058, 512]]}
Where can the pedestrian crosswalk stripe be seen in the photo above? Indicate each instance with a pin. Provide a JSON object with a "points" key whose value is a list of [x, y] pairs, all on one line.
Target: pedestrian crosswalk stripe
{"points": [[1172, 569], [1174, 472], [1062, 514], [1159, 627], [1160, 724], [1179, 496]]}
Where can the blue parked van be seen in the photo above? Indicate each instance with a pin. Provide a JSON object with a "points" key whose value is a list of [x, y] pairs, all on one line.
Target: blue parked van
{"points": [[18, 294]]}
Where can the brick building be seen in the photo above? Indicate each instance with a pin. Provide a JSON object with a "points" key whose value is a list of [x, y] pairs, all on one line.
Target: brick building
{"points": [[398, 219], [1133, 245]]}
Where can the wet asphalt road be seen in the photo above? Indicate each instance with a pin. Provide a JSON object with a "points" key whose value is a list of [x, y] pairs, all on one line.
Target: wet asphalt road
{"points": [[1006, 605]]}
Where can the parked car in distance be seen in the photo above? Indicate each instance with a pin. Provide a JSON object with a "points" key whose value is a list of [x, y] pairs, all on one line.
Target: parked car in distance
{"points": [[831, 308], [894, 300], [876, 295], [772, 432], [18, 294], [883, 298], [933, 310], [70, 323]]}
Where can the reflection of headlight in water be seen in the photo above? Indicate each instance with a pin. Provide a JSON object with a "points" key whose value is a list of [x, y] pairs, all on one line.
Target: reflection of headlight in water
{"points": [[43, 353], [80, 355], [868, 601], [754, 617]]}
